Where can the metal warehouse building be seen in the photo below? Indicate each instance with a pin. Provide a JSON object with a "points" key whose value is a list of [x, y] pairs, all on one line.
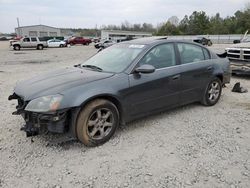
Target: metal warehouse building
{"points": [[119, 34], [38, 31]]}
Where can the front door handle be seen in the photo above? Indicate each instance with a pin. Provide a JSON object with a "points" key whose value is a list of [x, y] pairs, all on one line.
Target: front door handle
{"points": [[176, 77], [209, 68]]}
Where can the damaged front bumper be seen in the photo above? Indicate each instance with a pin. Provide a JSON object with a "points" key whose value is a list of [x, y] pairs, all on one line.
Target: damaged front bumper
{"points": [[240, 67], [37, 123]]}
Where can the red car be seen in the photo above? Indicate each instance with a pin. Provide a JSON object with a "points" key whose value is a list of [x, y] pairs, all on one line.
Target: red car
{"points": [[78, 40]]}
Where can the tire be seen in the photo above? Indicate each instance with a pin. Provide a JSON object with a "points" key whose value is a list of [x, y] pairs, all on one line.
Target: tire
{"points": [[60, 45], [90, 125], [209, 43], [16, 47], [40, 47], [212, 93]]}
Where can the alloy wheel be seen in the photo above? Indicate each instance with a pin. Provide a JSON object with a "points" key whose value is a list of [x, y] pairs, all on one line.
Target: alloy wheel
{"points": [[100, 123], [214, 91]]}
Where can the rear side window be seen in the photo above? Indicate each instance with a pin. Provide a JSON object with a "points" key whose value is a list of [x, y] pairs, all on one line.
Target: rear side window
{"points": [[33, 39], [190, 53], [206, 54]]}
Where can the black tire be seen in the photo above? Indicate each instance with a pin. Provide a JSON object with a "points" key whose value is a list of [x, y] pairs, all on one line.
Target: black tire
{"points": [[97, 122], [212, 93], [61, 45], [40, 47], [16, 47]]}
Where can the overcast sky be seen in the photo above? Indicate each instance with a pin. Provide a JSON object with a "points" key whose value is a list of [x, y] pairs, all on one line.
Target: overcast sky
{"points": [[88, 13]]}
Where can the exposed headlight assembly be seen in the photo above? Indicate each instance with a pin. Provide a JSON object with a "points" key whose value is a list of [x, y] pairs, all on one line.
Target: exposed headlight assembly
{"points": [[45, 104]]}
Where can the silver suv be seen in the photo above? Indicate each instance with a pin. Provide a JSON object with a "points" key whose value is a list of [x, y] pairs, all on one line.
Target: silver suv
{"points": [[30, 42]]}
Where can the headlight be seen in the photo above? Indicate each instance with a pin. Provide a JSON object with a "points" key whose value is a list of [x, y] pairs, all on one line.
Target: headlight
{"points": [[45, 104]]}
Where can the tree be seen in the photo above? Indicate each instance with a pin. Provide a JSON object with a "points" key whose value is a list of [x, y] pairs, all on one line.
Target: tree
{"points": [[198, 23], [174, 20]]}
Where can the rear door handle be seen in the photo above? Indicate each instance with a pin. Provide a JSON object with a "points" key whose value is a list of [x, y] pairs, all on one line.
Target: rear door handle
{"points": [[176, 77]]}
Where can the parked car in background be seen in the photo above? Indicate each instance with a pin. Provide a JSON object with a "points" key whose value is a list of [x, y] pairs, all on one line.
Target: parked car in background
{"points": [[96, 40], [104, 44], [239, 56], [243, 39], [29, 42], [56, 43], [203, 41], [122, 83], [78, 40]]}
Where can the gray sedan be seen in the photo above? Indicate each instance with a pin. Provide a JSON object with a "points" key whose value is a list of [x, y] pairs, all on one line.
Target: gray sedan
{"points": [[122, 83]]}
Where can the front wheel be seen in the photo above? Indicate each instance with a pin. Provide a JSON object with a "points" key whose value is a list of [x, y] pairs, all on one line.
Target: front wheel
{"points": [[212, 93], [97, 122], [16, 47]]}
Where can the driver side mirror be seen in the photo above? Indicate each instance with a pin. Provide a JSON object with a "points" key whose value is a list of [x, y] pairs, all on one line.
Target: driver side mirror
{"points": [[145, 69]]}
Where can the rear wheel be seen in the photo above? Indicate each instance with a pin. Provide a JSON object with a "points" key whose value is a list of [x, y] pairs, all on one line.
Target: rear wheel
{"points": [[212, 93], [61, 46], [97, 122], [40, 47]]}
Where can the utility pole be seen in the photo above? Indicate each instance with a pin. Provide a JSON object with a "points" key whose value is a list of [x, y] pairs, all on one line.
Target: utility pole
{"points": [[96, 30], [18, 27]]}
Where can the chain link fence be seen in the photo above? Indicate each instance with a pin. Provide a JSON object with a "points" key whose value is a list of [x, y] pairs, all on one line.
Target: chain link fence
{"points": [[216, 39]]}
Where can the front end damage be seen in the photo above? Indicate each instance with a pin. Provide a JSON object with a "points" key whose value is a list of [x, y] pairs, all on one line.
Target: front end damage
{"points": [[38, 123], [239, 59]]}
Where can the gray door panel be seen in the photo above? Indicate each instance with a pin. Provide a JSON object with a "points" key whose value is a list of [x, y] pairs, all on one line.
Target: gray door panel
{"points": [[158, 90]]}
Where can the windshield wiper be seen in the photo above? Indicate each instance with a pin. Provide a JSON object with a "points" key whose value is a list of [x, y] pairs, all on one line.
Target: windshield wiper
{"points": [[92, 67]]}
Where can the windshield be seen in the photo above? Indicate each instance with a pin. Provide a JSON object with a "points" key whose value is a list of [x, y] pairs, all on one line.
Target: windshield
{"points": [[115, 58]]}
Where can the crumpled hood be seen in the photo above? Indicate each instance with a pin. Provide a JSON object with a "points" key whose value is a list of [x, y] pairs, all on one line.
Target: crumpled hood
{"points": [[57, 81]]}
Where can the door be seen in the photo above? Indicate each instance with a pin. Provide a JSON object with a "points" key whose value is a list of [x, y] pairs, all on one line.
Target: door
{"points": [[196, 70], [33, 42], [57, 43], [157, 90], [26, 43]]}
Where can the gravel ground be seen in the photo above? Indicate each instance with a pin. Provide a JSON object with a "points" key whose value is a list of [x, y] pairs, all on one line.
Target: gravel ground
{"points": [[190, 146]]}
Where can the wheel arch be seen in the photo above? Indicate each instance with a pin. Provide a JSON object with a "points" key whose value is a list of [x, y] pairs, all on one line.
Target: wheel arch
{"points": [[74, 112], [220, 76], [110, 98]]}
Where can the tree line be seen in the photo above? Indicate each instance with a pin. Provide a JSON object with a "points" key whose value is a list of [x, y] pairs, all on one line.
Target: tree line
{"points": [[198, 23]]}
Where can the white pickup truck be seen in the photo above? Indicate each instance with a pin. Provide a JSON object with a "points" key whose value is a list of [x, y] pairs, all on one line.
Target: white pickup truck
{"points": [[29, 42], [239, 56]]}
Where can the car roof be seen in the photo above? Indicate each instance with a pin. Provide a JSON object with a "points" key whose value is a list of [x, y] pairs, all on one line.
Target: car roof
{"points": [[146, 40], [157, 40]]}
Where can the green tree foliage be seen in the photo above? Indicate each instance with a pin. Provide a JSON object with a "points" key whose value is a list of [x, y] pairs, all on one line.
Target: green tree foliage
{"points": [[199, 23]]}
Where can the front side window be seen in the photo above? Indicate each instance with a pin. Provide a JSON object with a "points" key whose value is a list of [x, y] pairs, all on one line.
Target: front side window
{"points": [[190, 53], [160, 56], [26, 40]]}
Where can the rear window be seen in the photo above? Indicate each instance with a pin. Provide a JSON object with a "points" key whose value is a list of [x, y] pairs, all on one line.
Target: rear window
{"points": [[42, 39]]}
